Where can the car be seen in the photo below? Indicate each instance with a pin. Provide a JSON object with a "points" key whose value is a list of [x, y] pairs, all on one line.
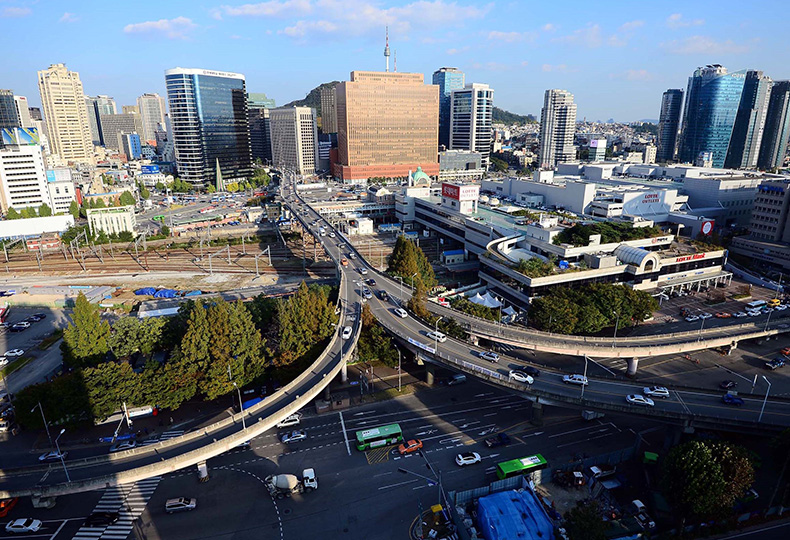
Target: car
{"points": [[490, 356], [727, 384], [363, 271], [331, 235], [729, 399], [500, 439], [293, 436], [467, 458], [20, 326], [776, 363], [3, 361], [785, 351], [53, 455], [410, 446], [705, 315], [383, 296], [531, 371], [14, 353], [438, 336], [739, 314], [400, 312], [352, 255], [656, 391], [692, 318], [372, 282], [723, 315], [6, 505], [32, 319], [23, 525], [180, 504], [366, 293], [288, 421], [781, 307], [575, 379], [101, 519], [520, 376], [123, 445], [638, 399], [754, 313], [347, 331]]}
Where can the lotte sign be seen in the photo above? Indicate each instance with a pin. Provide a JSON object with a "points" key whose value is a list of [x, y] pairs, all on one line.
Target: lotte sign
{"points": [[460, 193]]}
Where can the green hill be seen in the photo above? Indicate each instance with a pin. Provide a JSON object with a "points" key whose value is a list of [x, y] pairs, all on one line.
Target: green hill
{"points": [[312, 99], [501, 116]]}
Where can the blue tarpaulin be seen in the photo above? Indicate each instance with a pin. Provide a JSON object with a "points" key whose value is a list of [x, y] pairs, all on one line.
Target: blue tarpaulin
{"points": [[193, 293], [165, 293], [145, 291], [513, 515], [250, 402]]}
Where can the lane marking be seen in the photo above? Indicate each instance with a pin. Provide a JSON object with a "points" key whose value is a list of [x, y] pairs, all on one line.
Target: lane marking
{"points": [[343, 425]]}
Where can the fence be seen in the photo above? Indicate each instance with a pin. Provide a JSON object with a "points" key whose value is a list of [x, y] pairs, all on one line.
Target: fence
{"points": [[461, 498]]}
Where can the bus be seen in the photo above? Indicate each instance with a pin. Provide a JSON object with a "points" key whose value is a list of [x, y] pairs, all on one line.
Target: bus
{"points": [[757, 304], [521, 466], [379, 436], [159, 218]]}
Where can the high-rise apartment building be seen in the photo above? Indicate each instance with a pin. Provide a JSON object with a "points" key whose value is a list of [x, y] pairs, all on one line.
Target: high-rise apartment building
{"points": [[387, 125], [777, 127], [152, 115], [669, 125], [447, 79], [471, 110], [23, 178], [115, 125], [23, 112], [63, 101], [328, 110], [8, 115], [557, 128], [294, 139], [210, 122], [747, 133]]}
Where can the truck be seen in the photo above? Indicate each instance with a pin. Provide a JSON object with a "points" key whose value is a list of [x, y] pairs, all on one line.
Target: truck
{"points": [[284, 485]]}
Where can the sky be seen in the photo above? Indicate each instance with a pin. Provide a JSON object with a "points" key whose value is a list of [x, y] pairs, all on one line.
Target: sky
{"points": [[616, 57]]}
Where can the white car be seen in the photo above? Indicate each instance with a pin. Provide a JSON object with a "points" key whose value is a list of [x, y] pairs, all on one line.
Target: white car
{"points": [[23, 525], [3, 361], [705, 315], [292, 420], [363, 271], [13, 353], [490, 356], [347, 331], [637, 399], [739, 314], [692, 318], [467, 458], [575, 379], [521, 377], [400, 312], [781, 307], [438, 336], [656, 391], [331, 235], [754, 313]]}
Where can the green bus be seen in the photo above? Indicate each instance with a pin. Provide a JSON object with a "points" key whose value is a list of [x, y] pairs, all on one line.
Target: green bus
{"points": [[379, 436], [517, 467], [159, 218]]}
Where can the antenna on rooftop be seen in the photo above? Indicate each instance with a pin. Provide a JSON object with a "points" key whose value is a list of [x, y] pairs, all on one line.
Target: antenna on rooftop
{"points": [[387, 47]]}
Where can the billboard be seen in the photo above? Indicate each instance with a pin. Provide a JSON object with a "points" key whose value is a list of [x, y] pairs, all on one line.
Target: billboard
{"points": [[707, 227], [460, 193], [20, 136], [150, 169]]}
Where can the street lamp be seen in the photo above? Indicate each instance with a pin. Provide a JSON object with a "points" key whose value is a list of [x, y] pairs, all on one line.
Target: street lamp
{"points": [[399, 371], [412, 281], [401, 287], [584, 382], [40, 408], [699, 336], [436, 338], [616, 324], [241, 405], [764, 399], [60, 454]]}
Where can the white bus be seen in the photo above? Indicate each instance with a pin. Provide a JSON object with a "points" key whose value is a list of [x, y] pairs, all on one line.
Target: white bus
{"points": [[757, 304]]}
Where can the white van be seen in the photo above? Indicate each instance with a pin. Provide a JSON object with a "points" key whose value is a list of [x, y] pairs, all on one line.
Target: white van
{"points": [[293, 420], [181, 504], [438, 336]]}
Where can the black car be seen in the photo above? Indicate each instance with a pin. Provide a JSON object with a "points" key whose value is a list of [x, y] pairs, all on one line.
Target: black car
{"points": [[727, 385], [384, 296], [502, 439], [372, 282], [531, 371], [101, 519]]}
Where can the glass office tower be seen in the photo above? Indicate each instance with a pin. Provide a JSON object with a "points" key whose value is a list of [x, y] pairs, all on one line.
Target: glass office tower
{"points": [[712, 101], [209, 117], [669, 124], [447, 79], [777, 127], [747, 134]]}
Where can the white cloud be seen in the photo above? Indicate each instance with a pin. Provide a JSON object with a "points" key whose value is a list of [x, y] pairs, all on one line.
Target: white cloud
{"points": [[548, 27], [631, 26], [457, 51], [589, 37], [676, 20], [640, 75], [511, 37], [303, 28], [557, 68], [68, 18], [178, 28], [273, 8], [703, 45], [12, 12]]}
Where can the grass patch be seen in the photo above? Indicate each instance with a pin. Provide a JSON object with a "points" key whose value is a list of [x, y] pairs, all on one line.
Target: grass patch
{"points": [[741, 296], [51, 339], [13, 366], [391, 393]]}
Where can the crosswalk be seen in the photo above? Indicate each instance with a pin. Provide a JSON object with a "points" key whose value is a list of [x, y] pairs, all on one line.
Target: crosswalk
{"points": [[129, 501], [172, 434]]}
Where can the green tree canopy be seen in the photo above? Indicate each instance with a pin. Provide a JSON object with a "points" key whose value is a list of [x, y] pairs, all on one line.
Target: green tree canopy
{"points": [[127, 199], [419, 300], [44, 210], [374, 344], [406, 259], [585, 521], [28, 212], [86, 338], [74, 210], [12, 213], [124, 337]]}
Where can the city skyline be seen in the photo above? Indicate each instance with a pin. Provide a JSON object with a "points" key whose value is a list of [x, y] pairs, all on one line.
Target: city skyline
{"points": [[641, 54]]}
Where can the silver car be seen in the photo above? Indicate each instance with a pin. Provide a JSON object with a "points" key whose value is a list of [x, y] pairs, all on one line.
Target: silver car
{"points": [[181, 504]]}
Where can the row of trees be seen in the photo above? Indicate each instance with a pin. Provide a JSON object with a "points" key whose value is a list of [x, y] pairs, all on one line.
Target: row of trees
{"points": [[579, 234], [29, 212], [589, 309], [208, 342], [407, 259], [99, 238]]}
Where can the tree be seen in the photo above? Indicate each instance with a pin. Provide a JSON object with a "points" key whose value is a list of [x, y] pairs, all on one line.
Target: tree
{"points": [[585, 521], [124, 340], [12, 213], [109, 385], [216, 380], [418, 301], [705, 478], [374, 344], [44, 210], [499, 165], [160, 186], [407, 259], [247, 344], [150, 334], [165, 230], [127, 199], [172, 384], [74, 210], [99, 203], [195, 343], [86, 338], [144, 193], [28, 212]]}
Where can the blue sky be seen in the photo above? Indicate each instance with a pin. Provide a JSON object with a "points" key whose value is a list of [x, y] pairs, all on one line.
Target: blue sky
{"points": [[617, 57]]}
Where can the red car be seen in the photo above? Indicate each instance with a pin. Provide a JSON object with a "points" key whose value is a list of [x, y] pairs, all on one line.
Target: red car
{"points": [[410, 446], [6, 505]]}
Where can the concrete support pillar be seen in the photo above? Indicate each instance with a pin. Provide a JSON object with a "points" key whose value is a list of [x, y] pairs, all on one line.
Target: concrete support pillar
{"points": [[633, 363], [537, 414], [733, 346], [474, 339], [344, 372], [429, 374], [327, 395]]}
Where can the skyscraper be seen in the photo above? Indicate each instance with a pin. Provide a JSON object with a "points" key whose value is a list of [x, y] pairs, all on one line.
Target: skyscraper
{"points": [[97, 106], [294, 139], [152, 114], [259, 100], [669, 125], [114, 126], [260, 126], [387, 125], [8, 116], [471, 110], [328, 109], [447, 79], [557, 128], [211, 132], [23, 112], [63, 101], [747, 133], [777, 127]]}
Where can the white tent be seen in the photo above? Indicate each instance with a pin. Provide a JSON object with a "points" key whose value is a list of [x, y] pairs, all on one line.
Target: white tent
{"points": [[491, 302], [477, 299], [509, 311]]}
